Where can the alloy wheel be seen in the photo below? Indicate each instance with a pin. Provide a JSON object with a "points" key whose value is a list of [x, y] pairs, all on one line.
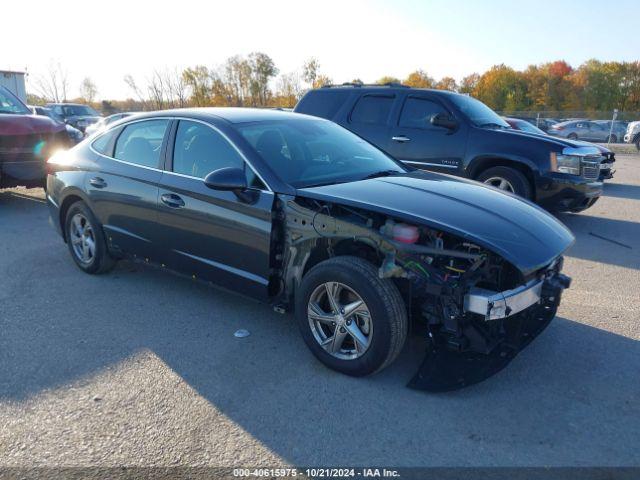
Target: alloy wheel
{"points": [[500, 183], [82, 239], [340, 320]]}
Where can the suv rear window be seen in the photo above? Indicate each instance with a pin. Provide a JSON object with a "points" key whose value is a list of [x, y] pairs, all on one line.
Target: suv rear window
{"points": [[372, 109], [321, 103]]}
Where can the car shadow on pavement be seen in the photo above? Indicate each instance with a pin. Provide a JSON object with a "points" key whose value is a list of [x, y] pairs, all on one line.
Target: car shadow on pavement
{"points": [[604, 240], [622, 190]]}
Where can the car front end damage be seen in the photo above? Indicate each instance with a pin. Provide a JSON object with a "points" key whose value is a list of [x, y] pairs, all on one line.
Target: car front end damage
{"points": [[474, 308]]}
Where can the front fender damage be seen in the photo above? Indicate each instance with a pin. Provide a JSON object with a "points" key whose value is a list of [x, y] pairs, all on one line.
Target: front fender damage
{"points": [[439, 276]]}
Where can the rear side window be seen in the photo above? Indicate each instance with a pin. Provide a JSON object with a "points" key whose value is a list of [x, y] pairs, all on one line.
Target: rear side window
{"points": [[104, 143], [417, 112], [372, 109], [141, 142], [322, 103]]}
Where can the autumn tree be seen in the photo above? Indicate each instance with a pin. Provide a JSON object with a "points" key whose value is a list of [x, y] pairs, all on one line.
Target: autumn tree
{"points": [[263, 69], [387, 79], [288, 90], [199, 83], [419, 79], [311, 71], [469, 83], [447, 83], [88, 90], [501, 88]]}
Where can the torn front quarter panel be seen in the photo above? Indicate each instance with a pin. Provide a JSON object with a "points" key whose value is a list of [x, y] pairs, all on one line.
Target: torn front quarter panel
{"points": [[520, 232], [477, 308]]}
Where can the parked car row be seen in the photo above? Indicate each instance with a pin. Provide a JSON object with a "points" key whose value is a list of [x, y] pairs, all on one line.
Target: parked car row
{"points": [[605, 131]]}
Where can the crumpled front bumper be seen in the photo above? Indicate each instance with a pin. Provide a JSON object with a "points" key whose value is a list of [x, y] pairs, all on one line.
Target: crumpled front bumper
{"points": [[532, 305]]}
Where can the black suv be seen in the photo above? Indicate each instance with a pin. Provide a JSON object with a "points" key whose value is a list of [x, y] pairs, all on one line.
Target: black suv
{"points": [[457, 134]]}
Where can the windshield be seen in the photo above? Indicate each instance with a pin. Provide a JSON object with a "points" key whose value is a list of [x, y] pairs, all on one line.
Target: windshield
{"points": [[306, 153], [527, 127], [10, 103], [477, 112], [79, 110]]}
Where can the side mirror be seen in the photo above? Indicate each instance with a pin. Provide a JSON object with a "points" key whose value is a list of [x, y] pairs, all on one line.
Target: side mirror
{"points": [[444, 120], [228, 178]]}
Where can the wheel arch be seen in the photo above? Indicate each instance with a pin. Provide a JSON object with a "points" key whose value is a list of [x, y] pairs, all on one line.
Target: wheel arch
{"points": [[483, 163], [70, 197]]}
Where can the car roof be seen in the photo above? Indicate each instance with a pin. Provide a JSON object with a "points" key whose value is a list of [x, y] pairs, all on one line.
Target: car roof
{"points": [[69, 104], [382, 88], [230, 114]]}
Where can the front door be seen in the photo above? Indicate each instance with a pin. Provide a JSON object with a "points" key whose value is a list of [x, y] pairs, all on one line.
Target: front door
{"points": [[415, 141], [218, 236]]}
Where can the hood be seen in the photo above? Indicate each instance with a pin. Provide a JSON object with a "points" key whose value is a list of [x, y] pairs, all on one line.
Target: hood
{"points": [[558, 141], [11, 124], [517, 230], [88, 118]]}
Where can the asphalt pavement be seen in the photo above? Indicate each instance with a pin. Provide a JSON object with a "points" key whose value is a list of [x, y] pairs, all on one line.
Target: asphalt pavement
{"points": [[141, 368]]}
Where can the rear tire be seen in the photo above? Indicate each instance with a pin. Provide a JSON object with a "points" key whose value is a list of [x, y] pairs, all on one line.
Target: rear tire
{"points": [[515, 180], [572, 136], [380, 322], [86, 241]]}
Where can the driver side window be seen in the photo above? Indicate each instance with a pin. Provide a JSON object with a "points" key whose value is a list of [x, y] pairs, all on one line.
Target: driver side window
{"points": [[417, 113], [199, 150]]}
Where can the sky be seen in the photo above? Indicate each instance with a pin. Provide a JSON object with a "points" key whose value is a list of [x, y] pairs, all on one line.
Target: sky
{"points": [[108, 39]]}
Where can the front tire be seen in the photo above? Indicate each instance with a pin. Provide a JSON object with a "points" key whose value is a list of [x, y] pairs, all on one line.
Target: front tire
{"points": [[507, 179], [86, 241], [352, 320]]}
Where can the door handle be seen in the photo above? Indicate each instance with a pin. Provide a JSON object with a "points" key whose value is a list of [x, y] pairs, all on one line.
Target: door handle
{"points": [[98, 182], [172, 200], [401, 139]]}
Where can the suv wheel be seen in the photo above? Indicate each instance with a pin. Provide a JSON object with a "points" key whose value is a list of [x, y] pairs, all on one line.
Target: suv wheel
{"points": [[351, 319], [507, 179], [86, 241]]}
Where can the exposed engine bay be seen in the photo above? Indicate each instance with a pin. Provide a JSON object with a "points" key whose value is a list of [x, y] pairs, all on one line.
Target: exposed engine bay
{"points": [[474, 309]]}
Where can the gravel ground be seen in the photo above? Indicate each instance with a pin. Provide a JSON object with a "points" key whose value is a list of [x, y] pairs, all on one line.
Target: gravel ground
{"points": [[141, 368]]}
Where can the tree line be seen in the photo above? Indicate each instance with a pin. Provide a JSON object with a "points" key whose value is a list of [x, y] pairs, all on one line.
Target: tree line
{"points": [[255, 81]]}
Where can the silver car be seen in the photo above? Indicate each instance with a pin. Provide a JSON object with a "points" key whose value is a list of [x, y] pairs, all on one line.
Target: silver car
{"points": [[582, 130], [618, 130]]}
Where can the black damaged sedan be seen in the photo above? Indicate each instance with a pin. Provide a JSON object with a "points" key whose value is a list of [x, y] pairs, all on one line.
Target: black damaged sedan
{"points": [[299, 212]]}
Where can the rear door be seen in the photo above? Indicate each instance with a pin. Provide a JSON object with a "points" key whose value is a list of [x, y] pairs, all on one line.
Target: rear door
{"points": [[415, 141], [220, 236], [123, 188]]}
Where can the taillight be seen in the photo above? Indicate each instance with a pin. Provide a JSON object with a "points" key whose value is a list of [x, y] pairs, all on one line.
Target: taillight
{"points": [[557, 128]]}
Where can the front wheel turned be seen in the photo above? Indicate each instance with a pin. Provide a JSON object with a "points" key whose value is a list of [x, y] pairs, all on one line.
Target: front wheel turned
{"points": [[352, 320]]}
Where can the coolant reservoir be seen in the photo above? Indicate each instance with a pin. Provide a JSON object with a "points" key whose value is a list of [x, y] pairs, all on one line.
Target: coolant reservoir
{"points": [[405, 233]]}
